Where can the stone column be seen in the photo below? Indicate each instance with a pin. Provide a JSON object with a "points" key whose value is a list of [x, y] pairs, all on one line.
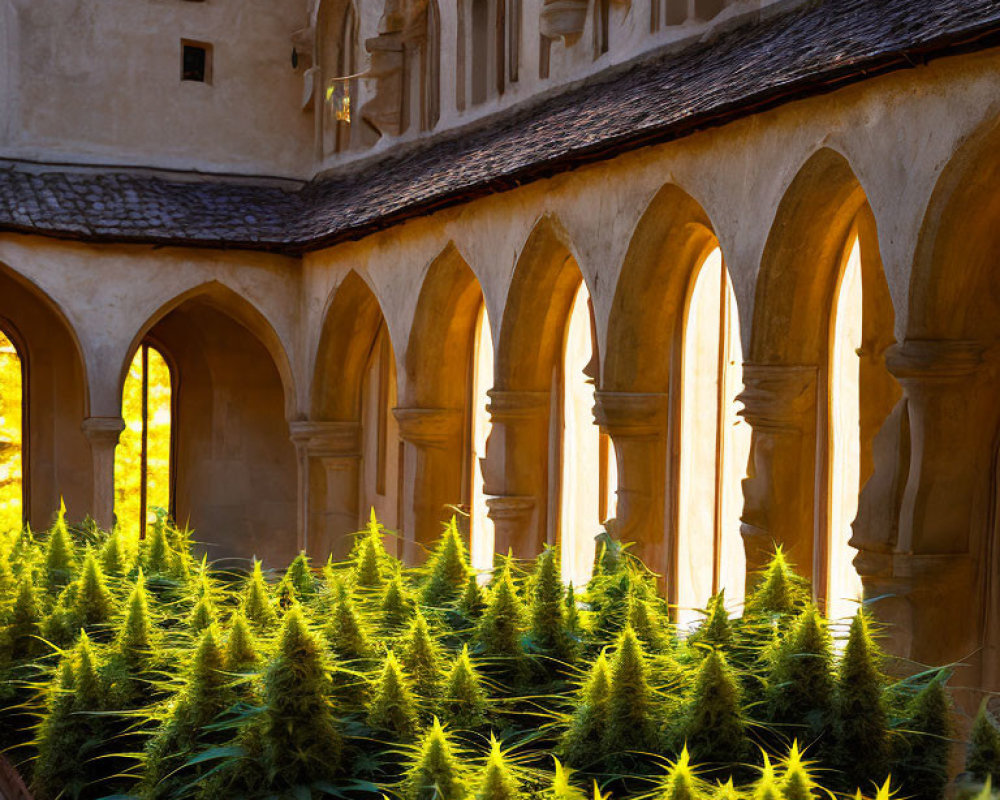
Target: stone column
{"points": [[516, 470], [433, 467], [779, 491], [329, 485], [103, 434], [637, 425], [933, 581]]}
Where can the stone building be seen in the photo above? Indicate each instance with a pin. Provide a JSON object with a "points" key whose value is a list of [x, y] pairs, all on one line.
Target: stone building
{"points": [[713, 273]]}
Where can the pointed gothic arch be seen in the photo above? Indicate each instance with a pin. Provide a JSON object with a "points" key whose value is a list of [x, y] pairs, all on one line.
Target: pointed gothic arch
{"points": [[817, 375], [233, 462]]}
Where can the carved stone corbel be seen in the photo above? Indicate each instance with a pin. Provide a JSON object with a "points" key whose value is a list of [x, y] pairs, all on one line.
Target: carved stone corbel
{"points": [[563, 19], [402, 27]]}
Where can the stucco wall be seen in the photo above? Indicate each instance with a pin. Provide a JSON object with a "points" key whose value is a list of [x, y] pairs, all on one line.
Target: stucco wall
{"points": [[100, 82]]}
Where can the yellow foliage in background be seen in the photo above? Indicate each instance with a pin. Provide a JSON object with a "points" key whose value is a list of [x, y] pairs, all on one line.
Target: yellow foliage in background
{"points": [[128, 455], [11, 407]]}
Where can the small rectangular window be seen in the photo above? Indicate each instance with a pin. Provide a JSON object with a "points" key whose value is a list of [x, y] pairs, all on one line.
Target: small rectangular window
{"points": [[196, 61]]}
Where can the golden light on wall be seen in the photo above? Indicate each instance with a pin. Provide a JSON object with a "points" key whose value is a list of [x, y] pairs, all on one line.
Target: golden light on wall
{"points": [[11, 432], [338, 99], [142, 458]]}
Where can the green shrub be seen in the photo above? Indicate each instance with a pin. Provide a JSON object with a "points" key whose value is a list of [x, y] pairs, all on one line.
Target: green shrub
{"points": [[393, 707], [299, 740], [862, 721], [69, 735], [348, 631], [631, 704], [397, 605], [422, 657], [256, 602], [154, 707], [584, 739], [801, 686], [447, 569], [715, 729], [463, 701], [548, 633], [796, 780], [93, 602], [502, 624], [498, 781], [983, 758], [681, 782], [436, 771], [927, 741]]}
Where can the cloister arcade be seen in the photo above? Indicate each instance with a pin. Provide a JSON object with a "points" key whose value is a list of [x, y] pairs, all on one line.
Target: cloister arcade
{"points": [[780, 331]]}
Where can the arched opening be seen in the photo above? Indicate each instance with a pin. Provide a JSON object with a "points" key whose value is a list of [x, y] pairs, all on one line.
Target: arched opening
{"points": [[669, 295], [481, 534], [714, 445], [845, 588], [380, 457], [44, 399], [143, 457], [13, 489], [818, 386], [589, 472], [538, 471], [354, 462], [233, 462], [443, 420], [948, 514]]}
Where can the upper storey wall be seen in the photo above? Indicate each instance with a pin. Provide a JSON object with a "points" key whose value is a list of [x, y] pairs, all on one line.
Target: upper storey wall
{"points": [[100, 82]]}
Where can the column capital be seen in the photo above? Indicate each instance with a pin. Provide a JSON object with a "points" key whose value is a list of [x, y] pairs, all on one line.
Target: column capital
{"points": [[631, 413], [513, 405], [935, 359], [510, 508], [322, 438], [429, 427], [105, 430], [778, 397]]}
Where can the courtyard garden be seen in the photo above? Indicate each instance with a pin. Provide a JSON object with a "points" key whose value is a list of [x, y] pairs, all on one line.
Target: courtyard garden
{"points": [[135, 669]]}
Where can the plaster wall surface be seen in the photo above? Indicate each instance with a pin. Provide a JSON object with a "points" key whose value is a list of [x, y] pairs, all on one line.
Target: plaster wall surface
{"points": [[87, 82], [100, 83]]}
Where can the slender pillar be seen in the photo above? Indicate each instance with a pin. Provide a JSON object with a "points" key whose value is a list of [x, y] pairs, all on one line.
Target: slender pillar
{"points": [[432, 440], [516, 470], [329, 485], [935, 582], [779, 491], [103, 434], [637, 424]]}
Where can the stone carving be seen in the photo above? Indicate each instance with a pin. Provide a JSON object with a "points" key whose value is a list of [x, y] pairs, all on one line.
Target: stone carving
{"points": [[402, 28], [563, 19]]}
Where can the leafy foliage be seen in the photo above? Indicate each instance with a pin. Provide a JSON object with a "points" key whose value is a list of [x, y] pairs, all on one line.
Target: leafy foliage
{"points": [[164, 677]]}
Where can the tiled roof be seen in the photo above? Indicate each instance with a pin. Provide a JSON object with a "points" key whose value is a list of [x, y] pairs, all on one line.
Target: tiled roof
{"points": [[814, 48]]}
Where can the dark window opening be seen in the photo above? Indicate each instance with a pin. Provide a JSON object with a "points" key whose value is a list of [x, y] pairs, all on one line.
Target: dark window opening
{"points": [[196, 62]]}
